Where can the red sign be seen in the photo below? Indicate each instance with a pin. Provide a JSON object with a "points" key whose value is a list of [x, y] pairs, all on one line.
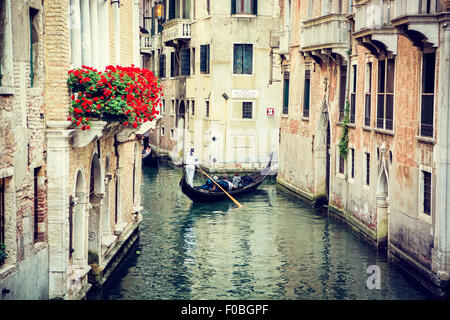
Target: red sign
{"points": [[270, 112]]}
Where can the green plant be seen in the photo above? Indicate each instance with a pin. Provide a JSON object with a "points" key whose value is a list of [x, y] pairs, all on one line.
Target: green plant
{"points": [[343, 143], [3, 254]]}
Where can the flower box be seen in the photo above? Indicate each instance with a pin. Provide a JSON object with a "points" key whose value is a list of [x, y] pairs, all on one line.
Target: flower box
{"points": [[127, 95]]}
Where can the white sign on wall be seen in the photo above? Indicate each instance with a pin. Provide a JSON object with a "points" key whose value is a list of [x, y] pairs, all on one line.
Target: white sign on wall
{"points": [[244, 94]]}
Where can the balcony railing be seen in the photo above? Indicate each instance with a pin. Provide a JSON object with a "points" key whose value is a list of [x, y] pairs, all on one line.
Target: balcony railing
{"points": [[375, 14], [325, 32], [146, 43], [414, 7], [176, 29]]}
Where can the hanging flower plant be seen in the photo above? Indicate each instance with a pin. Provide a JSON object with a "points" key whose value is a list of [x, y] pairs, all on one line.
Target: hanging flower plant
{"points": [[126, 94]]}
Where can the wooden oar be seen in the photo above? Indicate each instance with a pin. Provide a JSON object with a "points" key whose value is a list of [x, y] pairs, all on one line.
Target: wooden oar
{"points": [[234, 200]]}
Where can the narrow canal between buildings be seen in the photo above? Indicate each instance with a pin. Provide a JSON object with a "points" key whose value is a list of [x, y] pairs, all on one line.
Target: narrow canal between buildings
{"points": [[274, 248]]}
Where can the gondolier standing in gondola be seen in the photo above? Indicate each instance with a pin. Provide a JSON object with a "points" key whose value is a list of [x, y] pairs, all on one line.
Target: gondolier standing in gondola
{"points": [[191, 162]]}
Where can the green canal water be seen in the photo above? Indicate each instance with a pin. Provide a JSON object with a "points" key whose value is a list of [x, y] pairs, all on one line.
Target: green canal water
{"points": [[274, 248]]}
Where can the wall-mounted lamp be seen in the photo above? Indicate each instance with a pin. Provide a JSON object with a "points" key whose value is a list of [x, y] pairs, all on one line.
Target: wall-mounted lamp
{"points": [[225, 96], [115, 1]]}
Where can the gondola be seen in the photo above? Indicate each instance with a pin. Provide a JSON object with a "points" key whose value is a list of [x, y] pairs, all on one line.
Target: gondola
{"points": [[150, 160], [200, 195]]}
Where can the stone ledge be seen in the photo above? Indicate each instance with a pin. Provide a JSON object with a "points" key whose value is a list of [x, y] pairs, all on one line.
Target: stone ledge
{"points": [[6, 270]]}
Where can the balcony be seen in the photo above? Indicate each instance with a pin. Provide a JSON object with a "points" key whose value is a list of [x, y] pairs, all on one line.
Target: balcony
{"points": [[146, 43], [373, 25], [280, 41], [325, 37], [176, 30], [418, 20]]}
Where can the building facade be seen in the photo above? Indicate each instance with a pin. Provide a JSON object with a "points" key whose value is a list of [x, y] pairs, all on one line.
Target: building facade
{"points": [[220, 94], [23, 151], [94, 176], [370, 124]]}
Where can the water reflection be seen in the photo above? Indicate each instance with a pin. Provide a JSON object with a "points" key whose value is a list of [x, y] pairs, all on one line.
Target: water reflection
{"points": [[273, 248]]}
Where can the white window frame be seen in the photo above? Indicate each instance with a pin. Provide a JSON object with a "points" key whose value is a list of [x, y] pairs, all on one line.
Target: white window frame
{"points": [[422, 215]]}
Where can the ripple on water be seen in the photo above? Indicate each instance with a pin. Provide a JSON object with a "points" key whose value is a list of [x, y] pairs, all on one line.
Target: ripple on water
{"points": [[275, 247]]}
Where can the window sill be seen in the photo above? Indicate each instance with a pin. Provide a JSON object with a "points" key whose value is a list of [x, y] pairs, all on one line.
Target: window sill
{"points": [[6, 91], [427, 140], [351, 125], [305, 118], [285, 115], [365, 128], [244, 15], [384, 131]]}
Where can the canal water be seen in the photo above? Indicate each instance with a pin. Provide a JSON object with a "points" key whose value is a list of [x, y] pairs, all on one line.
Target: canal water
{"points": [[274, 248]]}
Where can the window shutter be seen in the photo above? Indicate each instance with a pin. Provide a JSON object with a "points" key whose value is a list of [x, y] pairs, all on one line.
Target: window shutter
{"points": [[185, 62], [208, 57], [237, 59], [233, 6], [162, 66], [202, 58], [255, 6], [248, 59]]}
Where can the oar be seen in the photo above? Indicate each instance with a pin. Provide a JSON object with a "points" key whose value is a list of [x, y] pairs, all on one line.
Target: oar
{"points": [[234, 200]]}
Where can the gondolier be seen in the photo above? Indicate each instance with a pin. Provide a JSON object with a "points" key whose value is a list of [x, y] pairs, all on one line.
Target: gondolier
{"points": [[191, 162]]}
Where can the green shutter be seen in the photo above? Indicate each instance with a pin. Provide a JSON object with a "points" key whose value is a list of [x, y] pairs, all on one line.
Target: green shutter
{"points": [[237, 59], [248, 59], [185, 62], [203, 58]]}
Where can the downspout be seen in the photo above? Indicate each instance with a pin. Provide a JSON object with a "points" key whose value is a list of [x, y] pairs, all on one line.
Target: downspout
{"points": [[116, 11]]}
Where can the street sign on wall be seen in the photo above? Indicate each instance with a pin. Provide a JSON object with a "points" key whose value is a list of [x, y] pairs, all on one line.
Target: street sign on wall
{"points": [[244, 94]]}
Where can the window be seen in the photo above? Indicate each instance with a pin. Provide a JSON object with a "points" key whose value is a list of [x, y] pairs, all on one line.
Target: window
{"points": [[207, 109], [171, 133], [367, 169], [172, 107], [426, 192], [385, 103], [174, 9], [162, 131], [186, 9], [353, 94], [286, 93], [162, 66], [352, 169], [244, 6], [341, 164], [204, 58], [428, 79], [2, 210], [185, 62], [163, 111], [6, 70], [208, 6], [34, 49], [193, 107], [342, 87], [247, 110], [306, 100], [36, 204], [193, 60], [243, 59], [174, 64], [368, 95]]}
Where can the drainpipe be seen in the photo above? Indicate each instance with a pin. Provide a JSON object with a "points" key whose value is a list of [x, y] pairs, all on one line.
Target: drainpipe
{"points": [[116, 11]]}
